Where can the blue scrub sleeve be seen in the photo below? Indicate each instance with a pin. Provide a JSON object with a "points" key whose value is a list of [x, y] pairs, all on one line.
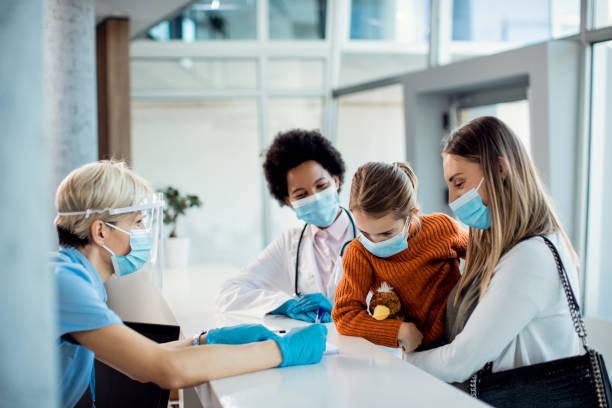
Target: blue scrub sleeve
{"points": [[81, 306]]}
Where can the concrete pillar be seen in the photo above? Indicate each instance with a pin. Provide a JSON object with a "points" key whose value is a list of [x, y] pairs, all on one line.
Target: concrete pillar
{"points": [[28, 368], [70, 84]]}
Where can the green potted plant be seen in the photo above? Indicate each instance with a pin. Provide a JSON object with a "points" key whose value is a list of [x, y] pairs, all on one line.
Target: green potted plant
{"points": [[177, 248]]}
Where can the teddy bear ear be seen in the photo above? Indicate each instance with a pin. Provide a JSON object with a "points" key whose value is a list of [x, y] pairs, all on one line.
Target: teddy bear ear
{"points": [[385, 288]]}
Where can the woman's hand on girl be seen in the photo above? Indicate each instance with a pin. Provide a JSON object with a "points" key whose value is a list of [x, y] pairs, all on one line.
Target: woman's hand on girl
{"points": [[409, 337]]}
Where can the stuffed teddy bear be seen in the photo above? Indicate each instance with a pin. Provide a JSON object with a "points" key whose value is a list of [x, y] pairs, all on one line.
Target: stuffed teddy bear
{"points": [[386, 304]]}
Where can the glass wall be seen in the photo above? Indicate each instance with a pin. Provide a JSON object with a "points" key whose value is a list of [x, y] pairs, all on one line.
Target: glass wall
{"points": [[370, 128], [482, 27], [385, 37], [211, 20], [283, 74], [602, 13], [405, 21], [192, 74], [297, 20], [208, 148], [598, 266]]}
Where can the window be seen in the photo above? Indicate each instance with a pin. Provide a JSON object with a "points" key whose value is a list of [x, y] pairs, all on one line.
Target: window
{"points": [[603, 13], [386, 37], [488, 26], [297, 20], [405, 21], [370, 128], [598, 266], [211, 20]]}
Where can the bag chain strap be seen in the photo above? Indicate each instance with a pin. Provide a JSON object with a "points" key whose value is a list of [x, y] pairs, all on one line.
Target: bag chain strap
{"points": [[569, 294], [578, 327]]}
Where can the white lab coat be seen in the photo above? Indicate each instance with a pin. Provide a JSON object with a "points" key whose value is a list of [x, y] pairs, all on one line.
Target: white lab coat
{"points": [[269, 281]]}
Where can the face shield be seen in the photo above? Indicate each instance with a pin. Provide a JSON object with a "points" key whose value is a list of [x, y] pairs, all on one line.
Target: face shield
{"points": [[152, 211]]}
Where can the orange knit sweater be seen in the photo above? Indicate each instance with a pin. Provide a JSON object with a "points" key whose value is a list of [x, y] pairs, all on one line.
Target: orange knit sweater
{"points": [[422, 275]]}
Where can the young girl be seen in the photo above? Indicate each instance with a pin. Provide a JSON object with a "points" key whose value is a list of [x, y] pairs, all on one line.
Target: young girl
{"points": [[417, 255]]}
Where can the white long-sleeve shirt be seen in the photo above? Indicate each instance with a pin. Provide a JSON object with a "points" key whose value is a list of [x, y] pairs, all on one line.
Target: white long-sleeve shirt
{"points": [[269, 281], [522, 319]]}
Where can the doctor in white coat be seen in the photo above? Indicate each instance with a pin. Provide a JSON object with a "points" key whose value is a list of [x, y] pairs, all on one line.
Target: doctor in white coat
{"points": [[297, 274]]}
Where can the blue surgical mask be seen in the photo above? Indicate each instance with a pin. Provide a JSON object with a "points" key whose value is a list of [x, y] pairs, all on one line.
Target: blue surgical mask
{"points": [[471, 211], [140, 244], [388, 247], [319, 209]]}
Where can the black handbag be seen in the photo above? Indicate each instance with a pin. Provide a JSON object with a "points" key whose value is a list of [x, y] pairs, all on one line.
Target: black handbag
{"points": [[580, 381]]}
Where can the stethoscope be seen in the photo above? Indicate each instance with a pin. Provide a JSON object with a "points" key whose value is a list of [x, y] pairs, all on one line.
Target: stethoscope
{"points": [[297, 259]]}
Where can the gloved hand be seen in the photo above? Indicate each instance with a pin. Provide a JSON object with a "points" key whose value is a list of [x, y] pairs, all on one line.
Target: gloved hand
{"points": [[312, 302], [284, 308], [241, 334], [304, 345], [290, 309]]}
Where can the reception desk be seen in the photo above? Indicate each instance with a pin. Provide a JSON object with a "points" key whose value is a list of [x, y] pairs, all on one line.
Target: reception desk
{"points": [[360, 374]]}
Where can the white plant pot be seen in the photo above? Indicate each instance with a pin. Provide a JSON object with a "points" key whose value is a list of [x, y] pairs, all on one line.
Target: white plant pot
{"points": [[177, 252]]}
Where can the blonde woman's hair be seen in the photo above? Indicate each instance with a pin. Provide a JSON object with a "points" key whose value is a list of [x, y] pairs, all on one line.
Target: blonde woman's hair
{"points": [[99, 185], [519, 205], [381, 188]]}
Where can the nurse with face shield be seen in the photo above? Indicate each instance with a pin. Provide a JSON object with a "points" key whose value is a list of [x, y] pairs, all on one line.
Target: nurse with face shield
{"points": [[109, 225]]}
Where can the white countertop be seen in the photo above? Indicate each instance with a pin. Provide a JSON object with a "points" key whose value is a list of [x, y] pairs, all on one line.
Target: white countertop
{"points": [[360, 375]]}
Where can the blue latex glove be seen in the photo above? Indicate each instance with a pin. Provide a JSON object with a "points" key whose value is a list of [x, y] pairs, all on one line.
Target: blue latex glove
{"points": [[304, 345], [312, 302], [284, 308], [289, 309], [241, 334]]}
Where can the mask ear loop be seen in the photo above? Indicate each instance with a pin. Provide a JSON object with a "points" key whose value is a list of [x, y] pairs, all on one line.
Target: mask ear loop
{"points": [[117, 228], [479, 184], [404, 233]]}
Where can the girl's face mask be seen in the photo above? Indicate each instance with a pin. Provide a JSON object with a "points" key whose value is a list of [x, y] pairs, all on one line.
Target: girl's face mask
{"points": [[389, 247]]}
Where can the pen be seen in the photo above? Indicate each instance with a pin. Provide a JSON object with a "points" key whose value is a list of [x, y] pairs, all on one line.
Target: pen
{"points": [[280, 331], [320, 313]]}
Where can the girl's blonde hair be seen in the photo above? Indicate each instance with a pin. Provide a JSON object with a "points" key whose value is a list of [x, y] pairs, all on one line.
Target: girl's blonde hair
{"points": [[99, 185], [519, 205], [381, 188]]}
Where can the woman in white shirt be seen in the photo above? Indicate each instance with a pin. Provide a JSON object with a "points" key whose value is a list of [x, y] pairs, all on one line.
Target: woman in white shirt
{"points": [[509, 307], [297, 274]]}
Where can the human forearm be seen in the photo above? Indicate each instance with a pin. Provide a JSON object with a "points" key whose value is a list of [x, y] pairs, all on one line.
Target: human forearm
{"points": [[185, 342], [196, 365]]}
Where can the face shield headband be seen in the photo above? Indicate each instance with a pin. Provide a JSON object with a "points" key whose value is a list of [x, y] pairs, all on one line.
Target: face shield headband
{"points": [[151, 210]]}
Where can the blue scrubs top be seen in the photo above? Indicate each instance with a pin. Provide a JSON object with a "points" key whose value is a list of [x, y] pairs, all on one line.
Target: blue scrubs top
{"points": [[81, 306]]}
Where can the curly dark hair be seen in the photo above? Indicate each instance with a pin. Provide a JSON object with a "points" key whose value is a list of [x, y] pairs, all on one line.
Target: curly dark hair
{"points": [[292, 148]]}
